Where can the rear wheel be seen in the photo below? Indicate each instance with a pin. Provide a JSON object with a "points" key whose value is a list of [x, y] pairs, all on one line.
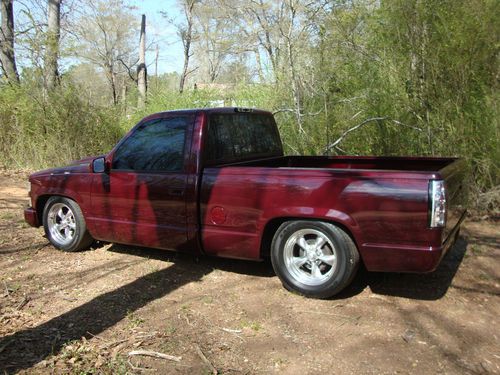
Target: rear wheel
{"points": [[314, 258], [64, 225]]}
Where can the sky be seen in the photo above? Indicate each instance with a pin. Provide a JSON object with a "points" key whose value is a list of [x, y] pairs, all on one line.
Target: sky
{"points": [[160, 31]]}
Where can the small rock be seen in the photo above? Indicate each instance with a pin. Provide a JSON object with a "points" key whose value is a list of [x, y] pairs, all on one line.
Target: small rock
{"points": [[43, 363], [487, 366], [100, 362], [408, 335]]}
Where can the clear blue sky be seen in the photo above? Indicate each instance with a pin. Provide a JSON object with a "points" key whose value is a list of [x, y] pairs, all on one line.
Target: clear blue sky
{"points": [[160, 30]]}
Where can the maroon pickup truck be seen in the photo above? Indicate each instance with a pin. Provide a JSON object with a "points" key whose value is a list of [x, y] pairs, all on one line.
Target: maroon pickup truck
{"points": [[216, 182]]}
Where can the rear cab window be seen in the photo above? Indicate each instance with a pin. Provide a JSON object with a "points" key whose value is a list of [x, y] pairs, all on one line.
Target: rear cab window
{"points": [[235, 137]]}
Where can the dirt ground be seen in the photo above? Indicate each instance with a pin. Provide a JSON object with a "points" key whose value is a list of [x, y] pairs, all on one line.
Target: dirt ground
{"points": [[86, 312]]}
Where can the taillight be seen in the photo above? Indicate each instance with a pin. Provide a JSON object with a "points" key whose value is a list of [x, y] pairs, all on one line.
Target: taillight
{"points": [[437, 204]]}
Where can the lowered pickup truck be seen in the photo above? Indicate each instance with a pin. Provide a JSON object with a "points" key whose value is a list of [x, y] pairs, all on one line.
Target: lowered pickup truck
{"points": [[216, 182]]}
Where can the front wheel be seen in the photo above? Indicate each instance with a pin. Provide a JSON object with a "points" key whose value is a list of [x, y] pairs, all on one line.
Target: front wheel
{"points": [[64, 225], [314, 258]]}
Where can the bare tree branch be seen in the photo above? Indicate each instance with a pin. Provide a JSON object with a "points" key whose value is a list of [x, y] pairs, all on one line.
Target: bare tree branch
{"points": [[128, 69], [291, 110], [367, 121]]}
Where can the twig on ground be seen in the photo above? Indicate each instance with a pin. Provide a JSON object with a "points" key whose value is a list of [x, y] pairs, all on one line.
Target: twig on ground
{"points": [[136, 368], [113, 343], [353, 318], [97, 337], [107, 344], [7, 293], [41, 247], [2, 348], [146, 336], [231, 330], [23, 303], [149, 353], [205, 360]]}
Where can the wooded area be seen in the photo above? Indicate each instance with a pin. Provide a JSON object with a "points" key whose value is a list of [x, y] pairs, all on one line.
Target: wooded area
{"points": [[403, 77]]}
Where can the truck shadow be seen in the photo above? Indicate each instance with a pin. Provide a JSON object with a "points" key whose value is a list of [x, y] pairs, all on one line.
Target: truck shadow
{"points": [[429, 286], [26, 348], [203, 262]]}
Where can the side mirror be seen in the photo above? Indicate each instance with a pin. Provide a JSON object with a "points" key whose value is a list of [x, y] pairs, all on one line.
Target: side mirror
{"points": [[99, 165]]}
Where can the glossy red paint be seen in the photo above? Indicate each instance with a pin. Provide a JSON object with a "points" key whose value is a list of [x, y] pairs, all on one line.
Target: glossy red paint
{"points": [[225, 210], [30, 217]]}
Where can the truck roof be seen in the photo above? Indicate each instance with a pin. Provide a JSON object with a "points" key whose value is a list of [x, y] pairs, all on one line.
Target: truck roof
{"points": [[209, 111]]}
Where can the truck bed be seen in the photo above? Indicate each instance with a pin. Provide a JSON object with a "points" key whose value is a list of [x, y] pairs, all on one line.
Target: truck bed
{"points": [[383, 201], [451, 170], [415, 164]]}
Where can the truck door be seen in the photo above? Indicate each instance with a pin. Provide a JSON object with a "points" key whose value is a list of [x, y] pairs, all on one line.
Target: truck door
{"points": [[141, 199]]}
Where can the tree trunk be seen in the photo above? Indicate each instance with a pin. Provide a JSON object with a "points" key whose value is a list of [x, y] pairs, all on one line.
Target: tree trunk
{"points": [[291, 61], [123, 96], [7, 56], [111, 75], [258, 63], [52, 47], [186, 36], [141, 68], [157, 53]]}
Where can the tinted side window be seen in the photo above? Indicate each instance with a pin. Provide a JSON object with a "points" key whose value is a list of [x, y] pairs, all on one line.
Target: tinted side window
{"points": [[240, 136], [156, 145]]}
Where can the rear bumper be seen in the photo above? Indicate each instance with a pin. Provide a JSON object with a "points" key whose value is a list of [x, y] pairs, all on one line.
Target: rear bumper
{"points": [[388, 258], [31, 217]]}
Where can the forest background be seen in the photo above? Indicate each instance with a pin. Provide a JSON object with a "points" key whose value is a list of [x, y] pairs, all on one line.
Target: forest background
{"points": [[359, 77]]}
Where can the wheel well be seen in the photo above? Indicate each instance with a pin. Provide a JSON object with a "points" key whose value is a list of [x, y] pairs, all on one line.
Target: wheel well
{"points": [[273, 225], [40, 205]]}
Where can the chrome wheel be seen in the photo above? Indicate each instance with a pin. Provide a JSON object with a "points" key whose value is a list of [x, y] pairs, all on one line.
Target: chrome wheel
{"points": [[61, 223], [310, 257]]}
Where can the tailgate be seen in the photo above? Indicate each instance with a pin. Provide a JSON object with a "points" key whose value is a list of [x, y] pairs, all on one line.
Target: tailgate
{"points": [[455, 176]]}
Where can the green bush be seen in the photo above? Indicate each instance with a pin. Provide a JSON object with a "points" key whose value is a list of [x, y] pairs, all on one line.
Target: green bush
{"points": [[38, 131]]}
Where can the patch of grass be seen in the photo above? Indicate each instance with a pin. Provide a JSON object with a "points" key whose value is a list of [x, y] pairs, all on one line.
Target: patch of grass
{"points": [[134, 321], [170, 330], [279, 362], [117, 366], [74, 352], [253, 325], [207, 300], [169, 346], [7, 215], [486, 277], [152, 272], [80, 357], [13, 286], [477, 249]]}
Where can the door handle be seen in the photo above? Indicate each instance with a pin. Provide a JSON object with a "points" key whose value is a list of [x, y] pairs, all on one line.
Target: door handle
{"points": [[176, 192]]}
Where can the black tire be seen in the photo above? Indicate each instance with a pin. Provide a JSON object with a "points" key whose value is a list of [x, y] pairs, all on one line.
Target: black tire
{"points": [[65, 225], [318, 271]]}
